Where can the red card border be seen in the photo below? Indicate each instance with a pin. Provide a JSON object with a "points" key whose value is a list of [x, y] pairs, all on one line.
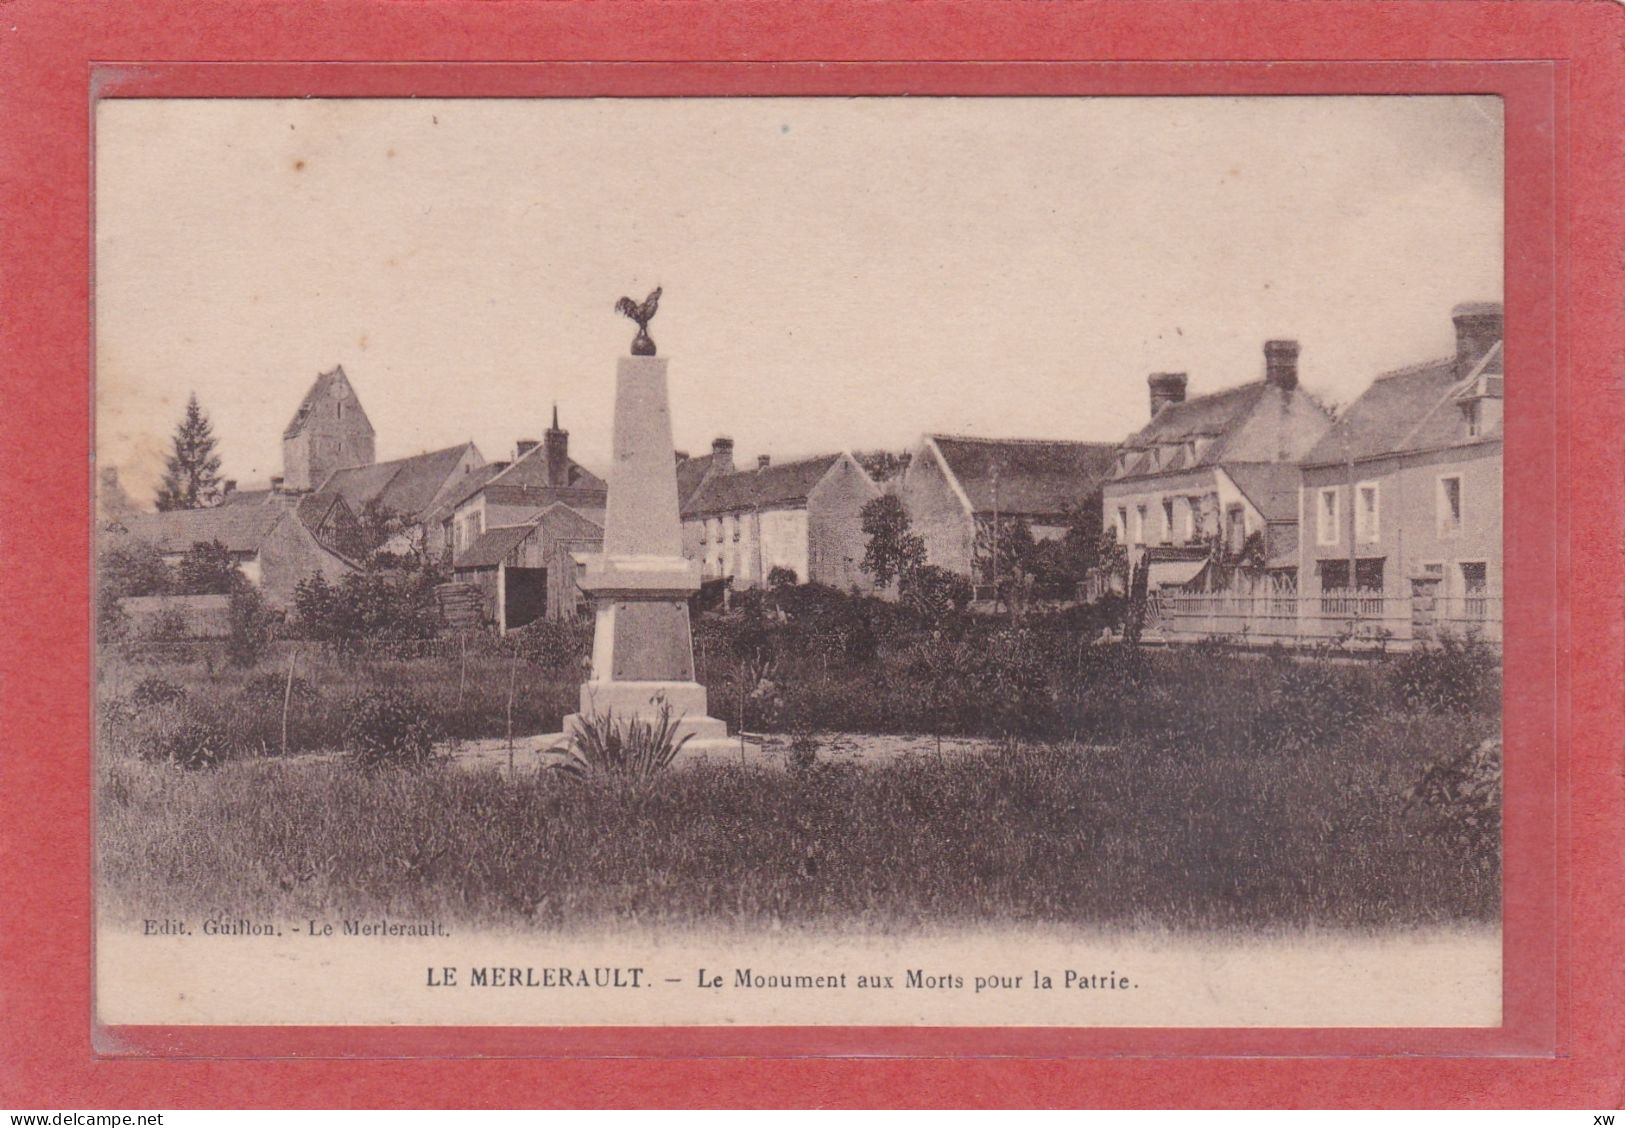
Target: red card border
{"points": [[1558, 883]]}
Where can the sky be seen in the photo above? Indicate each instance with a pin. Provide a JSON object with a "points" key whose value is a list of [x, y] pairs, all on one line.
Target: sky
{"points": [[837, 273]]}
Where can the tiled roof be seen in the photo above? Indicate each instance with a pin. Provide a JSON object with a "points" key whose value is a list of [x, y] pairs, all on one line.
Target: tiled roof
{"points": [[240, 528], [530, 469], [765, 487], [1035, 476], [406, 485], [318, 389], [1408, 409], [1272, 487], [691, 473], [1215, 417], [469, 485]]}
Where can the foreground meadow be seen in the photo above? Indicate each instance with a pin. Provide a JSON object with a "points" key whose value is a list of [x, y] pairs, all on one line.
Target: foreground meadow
{"points": [[1115, 787]]}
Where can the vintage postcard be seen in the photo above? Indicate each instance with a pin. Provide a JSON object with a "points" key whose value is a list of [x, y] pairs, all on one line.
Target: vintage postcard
{"points": [[850, 562]]}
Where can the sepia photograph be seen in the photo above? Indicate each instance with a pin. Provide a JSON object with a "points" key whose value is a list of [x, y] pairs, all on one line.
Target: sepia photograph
{"points": [[791, 561]]}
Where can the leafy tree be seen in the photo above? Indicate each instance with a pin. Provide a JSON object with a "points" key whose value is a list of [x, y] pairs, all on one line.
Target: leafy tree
{"points": [[208, 569], [192, 473], [129, 566], [882, 465], [779, 578], [893, 550]]}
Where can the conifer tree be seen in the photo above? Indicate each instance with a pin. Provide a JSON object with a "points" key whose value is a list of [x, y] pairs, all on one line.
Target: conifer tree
{"points": [[192, 473]]}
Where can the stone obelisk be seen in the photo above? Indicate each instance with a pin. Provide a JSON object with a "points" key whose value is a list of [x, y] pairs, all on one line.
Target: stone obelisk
{"points": [[642, 651]]}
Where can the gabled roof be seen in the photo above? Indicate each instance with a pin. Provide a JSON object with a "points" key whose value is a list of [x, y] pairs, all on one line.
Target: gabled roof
{"points": [[318, 389], [1272, 487], [1405, 410], [530, 469], [241, 523], [240, 528], [406, 485], [1214, 417], [691, 474], [1038, 477], [465, 488], [787, 483]]}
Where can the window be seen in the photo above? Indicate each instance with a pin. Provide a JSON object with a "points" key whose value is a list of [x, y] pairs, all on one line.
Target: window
{"points": [[1368, 574], [1334, 575], [1475, 418], [1167, 520], [1449, 505], [1139, 524], [1326, 517], [1122, 524], [1366, 512], [1474, 588]]}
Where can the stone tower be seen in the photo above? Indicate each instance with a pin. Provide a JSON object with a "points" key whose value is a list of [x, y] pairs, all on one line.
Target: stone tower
{"points": [[329, 432]]}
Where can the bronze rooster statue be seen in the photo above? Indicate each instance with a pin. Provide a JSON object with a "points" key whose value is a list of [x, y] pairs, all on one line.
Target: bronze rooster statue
{"points": [[642, 344]]}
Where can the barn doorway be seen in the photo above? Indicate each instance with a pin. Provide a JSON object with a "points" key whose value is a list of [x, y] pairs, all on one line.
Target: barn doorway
{"points": [[524, 596]]}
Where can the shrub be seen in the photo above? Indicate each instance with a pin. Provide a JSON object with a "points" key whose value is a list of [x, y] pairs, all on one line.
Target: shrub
{"points": [[271, 687], [1458, 797], [603, 745], [389, 727], [252, 626], [167, 625], [154, 692], [208, 569], [158, 724], [1457, 676]]}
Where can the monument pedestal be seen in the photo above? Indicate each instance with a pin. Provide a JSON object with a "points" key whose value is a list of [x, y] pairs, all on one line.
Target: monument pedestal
{"points": [[643, 650]]}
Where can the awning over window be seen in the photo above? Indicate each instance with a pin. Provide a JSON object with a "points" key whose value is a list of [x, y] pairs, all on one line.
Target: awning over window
{"points": [[1173, 573]]}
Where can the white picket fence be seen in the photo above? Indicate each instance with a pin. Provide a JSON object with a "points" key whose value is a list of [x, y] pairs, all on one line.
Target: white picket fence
{"points": [[1359, 619]]}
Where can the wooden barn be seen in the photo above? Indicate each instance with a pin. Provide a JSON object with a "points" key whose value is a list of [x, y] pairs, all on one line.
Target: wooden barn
{"points": [[528, 571]]}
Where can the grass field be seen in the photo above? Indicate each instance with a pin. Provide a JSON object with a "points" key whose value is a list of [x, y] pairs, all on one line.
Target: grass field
{"points": [[1196, 790], [1134, 836]]}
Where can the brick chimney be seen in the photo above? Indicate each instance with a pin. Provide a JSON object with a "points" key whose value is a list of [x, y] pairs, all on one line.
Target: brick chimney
{"points": [[1167, 388], [276, 483], [722, 454], [1478, 326], [227, 488], [558, 452], [523, 447], [1281, 364], [763, 461]]}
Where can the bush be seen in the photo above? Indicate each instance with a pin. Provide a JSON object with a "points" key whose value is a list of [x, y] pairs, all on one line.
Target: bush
{"points": [[1456, 676], [155, 692], [389, 727], [158, 724], [208, 569], [252, 626], [1458, 797]]}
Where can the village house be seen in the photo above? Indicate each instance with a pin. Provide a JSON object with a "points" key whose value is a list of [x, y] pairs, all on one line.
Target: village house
{"points": [[803, 517], [276, 540], [692, 473], [1206, 492], [504, 495], [1401, 500], [961, 493]]}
